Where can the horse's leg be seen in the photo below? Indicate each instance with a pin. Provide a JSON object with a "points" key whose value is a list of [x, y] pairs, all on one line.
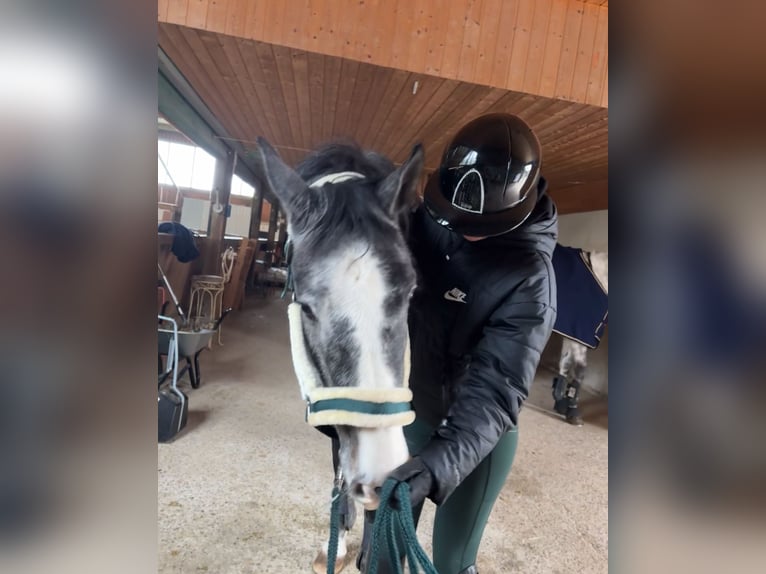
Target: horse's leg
{"points": [[560, 381], [579, 364], [346, 518]]}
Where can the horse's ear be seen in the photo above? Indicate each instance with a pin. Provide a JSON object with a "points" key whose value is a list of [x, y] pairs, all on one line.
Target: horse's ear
{"points": [[281, 180], [399, 190]]}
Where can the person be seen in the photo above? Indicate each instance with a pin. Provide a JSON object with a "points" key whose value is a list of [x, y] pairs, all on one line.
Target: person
{"points": [[484, 308]]}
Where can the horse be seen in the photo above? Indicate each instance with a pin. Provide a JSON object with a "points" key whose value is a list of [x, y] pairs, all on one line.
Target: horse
{"points": [[353, 277], [573, 360]]}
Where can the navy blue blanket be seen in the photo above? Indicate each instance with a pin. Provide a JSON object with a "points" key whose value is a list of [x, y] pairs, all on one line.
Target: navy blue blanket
{"points": [[583, 306]]}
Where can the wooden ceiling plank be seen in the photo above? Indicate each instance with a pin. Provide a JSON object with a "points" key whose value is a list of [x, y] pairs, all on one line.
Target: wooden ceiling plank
{"points": [[235, 98], [216, 16], [571, 115], [592, 158], [585, 48], [418, 49], [537, 43], [400, 146], [566, 125], [405, 11], [414, 116], [386, 101], [553, 43], [256, 19], [565, 73], [259, 96], [251, 103], [556, 108], [346, 88], [471, 36], [435, 41], [393, 119], [359, 99], [316, 79], [381, 79], [598, 70], [300, 66], [332, 73], [162, 10], [249, 51], [381, 31], [273, 86], [522, 32], [454, 42], [490, 28], [502, 56], [286, 85], [236, 15], [582, 137], [206, 87], [539, 110], [330, 20], [196, 14], [176, 12], [278, 22]]}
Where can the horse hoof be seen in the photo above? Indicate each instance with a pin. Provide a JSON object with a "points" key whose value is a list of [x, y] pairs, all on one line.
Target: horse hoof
{"points": [[320, 563]]}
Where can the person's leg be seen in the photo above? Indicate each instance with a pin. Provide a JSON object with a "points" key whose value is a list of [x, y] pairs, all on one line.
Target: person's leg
{"points": [[460, 520]]}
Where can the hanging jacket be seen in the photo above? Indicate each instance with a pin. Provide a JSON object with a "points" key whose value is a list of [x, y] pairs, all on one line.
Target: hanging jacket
{"points": [[183, 241], [479, 320]]}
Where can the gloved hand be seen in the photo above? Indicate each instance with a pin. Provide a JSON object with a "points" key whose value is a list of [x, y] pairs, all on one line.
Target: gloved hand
{"points": [[419, 479]]}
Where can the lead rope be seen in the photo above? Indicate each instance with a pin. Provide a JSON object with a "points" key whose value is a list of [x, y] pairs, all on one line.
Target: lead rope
{"points": [[332, 543], [384, 531], [289, 278]]}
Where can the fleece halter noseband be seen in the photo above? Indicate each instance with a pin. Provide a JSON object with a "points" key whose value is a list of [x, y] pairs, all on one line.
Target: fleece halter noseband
{"points": [[365, 407]]}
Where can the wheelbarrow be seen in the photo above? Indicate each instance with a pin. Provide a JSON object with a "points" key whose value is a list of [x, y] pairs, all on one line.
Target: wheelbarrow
{"points": [[190, 344]]}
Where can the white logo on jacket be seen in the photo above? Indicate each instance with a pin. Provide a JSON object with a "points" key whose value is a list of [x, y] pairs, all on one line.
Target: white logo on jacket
{"points": [[455, 295]]}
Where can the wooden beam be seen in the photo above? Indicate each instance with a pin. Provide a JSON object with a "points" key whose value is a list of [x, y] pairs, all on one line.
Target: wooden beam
{"points": [[255, 213], [224, 172], [579, 198], [273, 218]]}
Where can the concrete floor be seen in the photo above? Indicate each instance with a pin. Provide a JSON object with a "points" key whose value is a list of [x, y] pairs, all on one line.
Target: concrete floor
{"points": [[245, 487]]}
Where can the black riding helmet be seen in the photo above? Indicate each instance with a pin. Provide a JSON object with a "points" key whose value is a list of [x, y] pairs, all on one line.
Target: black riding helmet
{"points": [[487, 182]]}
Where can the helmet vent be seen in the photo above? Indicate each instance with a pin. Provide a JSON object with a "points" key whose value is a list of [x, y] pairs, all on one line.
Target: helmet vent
{"points": [[469, 192]]}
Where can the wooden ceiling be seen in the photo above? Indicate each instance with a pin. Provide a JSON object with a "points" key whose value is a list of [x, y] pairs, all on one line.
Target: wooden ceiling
{"points": [[298, 100]]}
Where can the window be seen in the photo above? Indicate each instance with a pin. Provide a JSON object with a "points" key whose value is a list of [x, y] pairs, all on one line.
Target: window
{"points": [[190, 166], [239, 187]]}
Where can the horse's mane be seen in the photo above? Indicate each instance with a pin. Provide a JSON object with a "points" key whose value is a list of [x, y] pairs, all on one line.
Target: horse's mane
{"points": [[344, 156], [338, 210]]}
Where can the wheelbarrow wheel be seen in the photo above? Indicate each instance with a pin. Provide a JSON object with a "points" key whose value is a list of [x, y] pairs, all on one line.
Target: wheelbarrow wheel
{"points": [[194, 375]]}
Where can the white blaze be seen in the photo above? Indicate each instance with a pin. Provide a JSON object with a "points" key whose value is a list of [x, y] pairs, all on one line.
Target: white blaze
{"points": [[358, 291]]}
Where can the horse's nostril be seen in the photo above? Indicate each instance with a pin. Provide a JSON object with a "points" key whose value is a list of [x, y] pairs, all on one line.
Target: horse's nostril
{"points": [[357, 490]]}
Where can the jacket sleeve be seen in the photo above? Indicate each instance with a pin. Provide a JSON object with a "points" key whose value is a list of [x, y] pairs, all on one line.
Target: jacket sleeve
{"points": [[490, 394]]}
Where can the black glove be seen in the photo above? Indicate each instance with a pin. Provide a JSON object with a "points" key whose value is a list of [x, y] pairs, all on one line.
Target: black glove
{"points": [[418, 477]]}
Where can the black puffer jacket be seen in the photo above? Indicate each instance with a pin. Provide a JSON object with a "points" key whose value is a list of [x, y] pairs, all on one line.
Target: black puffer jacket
{"points": [[479, 320]]}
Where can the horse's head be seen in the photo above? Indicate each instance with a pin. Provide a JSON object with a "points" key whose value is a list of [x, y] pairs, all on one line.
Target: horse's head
{"points": [[353, 277]]}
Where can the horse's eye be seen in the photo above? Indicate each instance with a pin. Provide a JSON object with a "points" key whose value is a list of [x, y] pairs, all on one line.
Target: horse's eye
{"points": [[308, 312]]}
